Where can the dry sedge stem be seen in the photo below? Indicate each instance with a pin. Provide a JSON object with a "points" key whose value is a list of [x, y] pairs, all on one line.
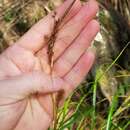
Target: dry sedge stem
{"points": [[53, 37], [50, 53]]}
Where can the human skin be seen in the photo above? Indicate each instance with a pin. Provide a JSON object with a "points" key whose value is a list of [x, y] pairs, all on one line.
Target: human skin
{"points": [[25, 85]]}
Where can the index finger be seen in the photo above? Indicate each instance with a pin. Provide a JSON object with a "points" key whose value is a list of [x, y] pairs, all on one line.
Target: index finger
{"points": [[37, 36]]}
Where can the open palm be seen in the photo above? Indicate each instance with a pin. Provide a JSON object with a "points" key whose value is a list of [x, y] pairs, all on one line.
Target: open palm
{"points": [[25, 84]]}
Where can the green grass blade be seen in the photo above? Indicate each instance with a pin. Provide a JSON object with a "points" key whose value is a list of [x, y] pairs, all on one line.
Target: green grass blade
{"points": [[112, 108]]}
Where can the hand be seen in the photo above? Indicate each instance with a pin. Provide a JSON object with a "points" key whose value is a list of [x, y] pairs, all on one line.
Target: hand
{"points": [[25, 85]]}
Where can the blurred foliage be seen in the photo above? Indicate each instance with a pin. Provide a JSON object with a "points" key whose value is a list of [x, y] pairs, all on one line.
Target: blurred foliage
{"points": [[98, 103]]}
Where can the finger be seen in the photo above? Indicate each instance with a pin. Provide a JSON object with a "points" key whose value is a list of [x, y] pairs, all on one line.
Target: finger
{"points": [[72, 29], [38, 35], [79, 71], [21, 87], [65, 63]]}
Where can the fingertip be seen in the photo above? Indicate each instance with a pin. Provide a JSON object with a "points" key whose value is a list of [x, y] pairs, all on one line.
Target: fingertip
{"points": [[91, 53], [88, 59], [95, 4], [92, 5], [94, 27], [95, 24]]}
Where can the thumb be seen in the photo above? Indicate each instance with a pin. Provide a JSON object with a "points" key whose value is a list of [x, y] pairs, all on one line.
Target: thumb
{"points": [[21, 86]]}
